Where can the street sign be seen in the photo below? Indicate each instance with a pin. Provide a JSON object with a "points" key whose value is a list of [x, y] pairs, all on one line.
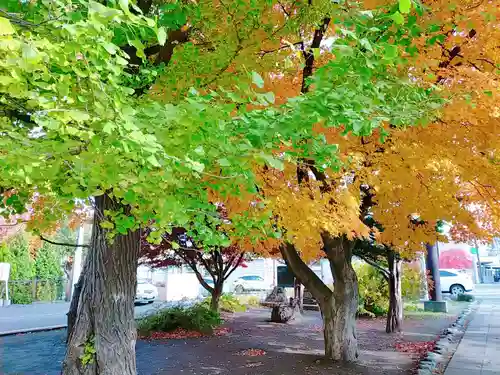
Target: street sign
{"points": [[473, 250], [4, 271]]}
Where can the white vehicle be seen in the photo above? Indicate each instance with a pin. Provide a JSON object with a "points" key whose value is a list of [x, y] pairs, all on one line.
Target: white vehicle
{"points": [[250, 283], [455, 282], [146, 292]]}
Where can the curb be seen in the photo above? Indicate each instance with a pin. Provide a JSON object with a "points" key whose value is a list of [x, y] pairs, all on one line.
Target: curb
{"points": [[438, 358], [32, 330]]}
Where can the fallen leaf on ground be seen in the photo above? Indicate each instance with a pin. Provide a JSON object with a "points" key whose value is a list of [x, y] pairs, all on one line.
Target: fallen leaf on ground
{"points": [[252, 352], [254, 364], [181, 333], [417, 348], [222, 331]]}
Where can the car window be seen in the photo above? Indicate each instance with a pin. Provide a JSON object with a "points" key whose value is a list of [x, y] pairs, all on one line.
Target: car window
{"points": [[246, 277], [259, 278], [446, 274]]}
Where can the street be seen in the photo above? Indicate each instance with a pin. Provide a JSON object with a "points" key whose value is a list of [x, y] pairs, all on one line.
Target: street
{"points": [[42, 315]]}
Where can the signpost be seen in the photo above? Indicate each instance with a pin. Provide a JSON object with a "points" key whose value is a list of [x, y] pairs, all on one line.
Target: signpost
{"points": [[4, 277]]}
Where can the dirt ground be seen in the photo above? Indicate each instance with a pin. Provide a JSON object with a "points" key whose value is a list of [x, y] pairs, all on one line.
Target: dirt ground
{"points": [[295, 348]]}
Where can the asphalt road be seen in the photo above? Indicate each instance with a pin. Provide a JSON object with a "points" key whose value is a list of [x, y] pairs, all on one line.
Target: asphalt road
{"points": [[41, 315]]}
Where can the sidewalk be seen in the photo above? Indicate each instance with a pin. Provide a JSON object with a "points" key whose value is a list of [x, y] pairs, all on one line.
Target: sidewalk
{"points": [[479, 350], [46, 316]]}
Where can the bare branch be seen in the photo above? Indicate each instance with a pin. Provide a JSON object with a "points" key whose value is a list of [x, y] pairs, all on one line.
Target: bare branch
{"points": [[61, 243]]}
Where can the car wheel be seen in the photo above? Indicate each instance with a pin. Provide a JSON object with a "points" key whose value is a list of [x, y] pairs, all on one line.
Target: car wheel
{"points": [[239, 289], [150, 302], [456, 290]]}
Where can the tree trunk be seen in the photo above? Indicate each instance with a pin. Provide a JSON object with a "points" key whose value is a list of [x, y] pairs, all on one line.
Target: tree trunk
{"points": [[395, 313], [338, 308], [216, 294], [102, 338], [339, 312], [73, 307]]}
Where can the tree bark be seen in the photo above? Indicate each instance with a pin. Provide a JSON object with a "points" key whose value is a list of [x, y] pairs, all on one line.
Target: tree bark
{"points": [[73, 307], [395, 313], [103, 335], [338, 308], [216, 294], [339, 312]]}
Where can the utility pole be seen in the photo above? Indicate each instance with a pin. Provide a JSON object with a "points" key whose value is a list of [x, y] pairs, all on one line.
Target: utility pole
{"points": [[77, 259], [478, 268], [432, 263]]}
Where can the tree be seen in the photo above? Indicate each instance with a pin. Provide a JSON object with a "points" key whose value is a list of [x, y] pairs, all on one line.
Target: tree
{"points": [[80, 122], [177, 249], [331, 213], [415, 173]]}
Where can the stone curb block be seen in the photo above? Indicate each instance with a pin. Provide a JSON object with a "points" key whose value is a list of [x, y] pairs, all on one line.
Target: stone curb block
{"points": [[32, 330], [440, 355]]}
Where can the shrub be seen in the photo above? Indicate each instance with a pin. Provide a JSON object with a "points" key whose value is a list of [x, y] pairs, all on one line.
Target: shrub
{"points": [[413, 307], [196, 318], [251, 301], [465, 298], [227, 303], [17, 253], [373, 291], [412, 282], [49, 290]]}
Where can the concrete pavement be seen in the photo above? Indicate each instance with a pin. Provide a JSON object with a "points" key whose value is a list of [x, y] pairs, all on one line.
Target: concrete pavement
{"points": [[479, 351], [23, 318]]}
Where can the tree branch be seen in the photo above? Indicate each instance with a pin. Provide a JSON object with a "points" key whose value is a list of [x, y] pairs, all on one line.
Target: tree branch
{"points": [[304, 274], [61, 243], [379, 268], [234, 266]]}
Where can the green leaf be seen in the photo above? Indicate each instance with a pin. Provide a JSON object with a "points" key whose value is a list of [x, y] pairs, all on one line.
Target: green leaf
{"points": [[79, 116], [108, 128], [224, 162], [269, 96], [5, 27], [110, 47], [404, 6], [398, 18], [175, 245], [107, 225], [153, 161], [257, 80], [162, 36], [273, 162], [124, 5], [366, 44], [390, 51]]}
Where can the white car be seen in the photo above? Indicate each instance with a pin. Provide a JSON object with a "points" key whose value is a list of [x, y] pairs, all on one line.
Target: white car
{"points": [[146, 292], [455, 282], [250, 283]]}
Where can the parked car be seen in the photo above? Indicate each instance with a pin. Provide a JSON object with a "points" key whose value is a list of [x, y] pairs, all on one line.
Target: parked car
{"points": [[455, 282], [250, 283], [146, 292]]}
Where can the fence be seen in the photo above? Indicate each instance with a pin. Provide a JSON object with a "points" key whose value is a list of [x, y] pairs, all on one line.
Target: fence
{"points": [[37, 290]]}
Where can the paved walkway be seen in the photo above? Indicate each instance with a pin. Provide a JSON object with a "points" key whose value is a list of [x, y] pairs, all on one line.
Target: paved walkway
{"points": [[479, 350], [16, 318]]}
